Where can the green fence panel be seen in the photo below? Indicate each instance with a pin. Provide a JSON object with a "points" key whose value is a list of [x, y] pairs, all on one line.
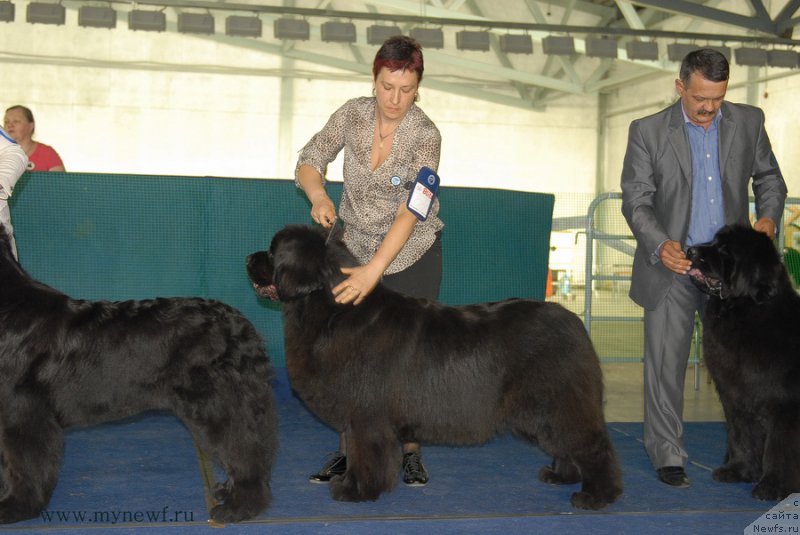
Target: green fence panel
{"points": [[116, 237]]}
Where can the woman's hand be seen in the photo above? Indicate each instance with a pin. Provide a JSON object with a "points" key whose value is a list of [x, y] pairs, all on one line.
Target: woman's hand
{"points": [[323, 211], [359, 284]]}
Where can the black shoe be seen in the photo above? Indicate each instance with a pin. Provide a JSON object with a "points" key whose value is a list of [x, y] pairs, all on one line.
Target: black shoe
{"points": [[336, 466], [673, 476], [414, 474]]}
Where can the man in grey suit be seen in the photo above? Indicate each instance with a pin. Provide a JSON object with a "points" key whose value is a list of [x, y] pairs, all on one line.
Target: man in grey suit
{"points": [[685, 175]]}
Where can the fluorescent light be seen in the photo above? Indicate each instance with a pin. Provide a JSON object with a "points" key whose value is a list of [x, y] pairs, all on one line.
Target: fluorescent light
{"points": [[40, 13], [195, 23], [97, 17], [149, 21], [472, 40], [516, 44], [338, 32], [428, 37], [6, 12], [239, 26], [601, 48], [558, 46], [292, 29], [753, 57], [782, 58], [643, 50]]}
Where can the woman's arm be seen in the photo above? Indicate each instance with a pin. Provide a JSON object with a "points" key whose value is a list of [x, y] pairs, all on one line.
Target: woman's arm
{"points": [[323, 210], [314, 158], [363, 279]]}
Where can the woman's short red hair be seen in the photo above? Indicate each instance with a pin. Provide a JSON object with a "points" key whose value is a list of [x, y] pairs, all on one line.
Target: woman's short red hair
{"points": [[399, 53]]}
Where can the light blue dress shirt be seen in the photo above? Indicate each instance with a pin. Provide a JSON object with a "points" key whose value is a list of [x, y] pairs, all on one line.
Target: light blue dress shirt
{"points": [[708, 211]]}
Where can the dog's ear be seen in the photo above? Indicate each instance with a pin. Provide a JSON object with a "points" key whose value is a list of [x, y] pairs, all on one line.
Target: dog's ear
{"points": [[755, 274], [298, 258], [765, 285], [296, 281]]}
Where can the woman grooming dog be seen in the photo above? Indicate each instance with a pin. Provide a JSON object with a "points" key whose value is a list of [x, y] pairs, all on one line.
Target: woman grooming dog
{"points": [[386, 139]]}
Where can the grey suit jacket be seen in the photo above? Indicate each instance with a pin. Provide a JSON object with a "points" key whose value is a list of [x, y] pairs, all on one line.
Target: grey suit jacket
{"points": [[657, 185]]}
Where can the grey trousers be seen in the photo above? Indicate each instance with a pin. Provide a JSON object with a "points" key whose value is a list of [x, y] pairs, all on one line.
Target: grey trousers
{"points": [[667, 340]]}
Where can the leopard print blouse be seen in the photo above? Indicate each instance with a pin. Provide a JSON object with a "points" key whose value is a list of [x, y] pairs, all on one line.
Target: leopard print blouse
{"points": [[370, 199]]}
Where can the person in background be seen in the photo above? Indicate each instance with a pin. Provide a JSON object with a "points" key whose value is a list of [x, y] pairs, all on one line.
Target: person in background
{"points": [[685, 175], [19, 124], [13, 163], [386, 139]]}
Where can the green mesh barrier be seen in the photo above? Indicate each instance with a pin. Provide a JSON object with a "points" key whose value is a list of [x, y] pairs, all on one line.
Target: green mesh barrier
{"points": [[115, 237]]}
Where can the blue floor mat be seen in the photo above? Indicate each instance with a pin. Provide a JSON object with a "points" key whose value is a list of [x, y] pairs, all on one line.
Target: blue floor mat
{"points": [[148, 467]]}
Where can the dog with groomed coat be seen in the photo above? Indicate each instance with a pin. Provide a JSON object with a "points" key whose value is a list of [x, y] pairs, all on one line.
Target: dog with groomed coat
{"points": [[70, 362], [751, 346], [396, 369]]}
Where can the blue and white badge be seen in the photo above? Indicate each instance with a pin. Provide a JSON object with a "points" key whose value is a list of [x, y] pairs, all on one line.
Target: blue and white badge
{"points": [[422, 195], [395, 180]]}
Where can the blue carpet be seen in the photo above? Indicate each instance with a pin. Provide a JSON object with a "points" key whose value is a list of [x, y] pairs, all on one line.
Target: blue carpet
{"points": [[143, 474]]}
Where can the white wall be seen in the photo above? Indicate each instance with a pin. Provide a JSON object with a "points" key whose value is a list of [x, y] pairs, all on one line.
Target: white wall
{"points": [[121, 120], [776, 97], [142, 112]]}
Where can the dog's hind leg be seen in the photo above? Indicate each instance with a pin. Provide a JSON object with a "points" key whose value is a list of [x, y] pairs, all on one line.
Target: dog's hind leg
{"points": [[578, 440], [242, 436], [32, 444], [247, 463], [374, 455], [600, 473]]}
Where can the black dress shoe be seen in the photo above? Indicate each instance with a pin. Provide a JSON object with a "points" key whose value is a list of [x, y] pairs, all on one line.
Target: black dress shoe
{"points": [[673, 476]]}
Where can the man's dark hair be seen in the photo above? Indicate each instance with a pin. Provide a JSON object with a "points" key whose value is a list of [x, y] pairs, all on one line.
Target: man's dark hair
{"points": [[709, 63]]}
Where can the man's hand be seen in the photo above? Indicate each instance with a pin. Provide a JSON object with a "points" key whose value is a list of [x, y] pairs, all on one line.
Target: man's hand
{"points": [[673, 257], [767, 226]]}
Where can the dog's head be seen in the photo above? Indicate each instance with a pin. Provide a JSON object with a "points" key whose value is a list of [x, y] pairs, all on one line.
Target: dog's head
{"points": [[739, 262], [300, 261]]}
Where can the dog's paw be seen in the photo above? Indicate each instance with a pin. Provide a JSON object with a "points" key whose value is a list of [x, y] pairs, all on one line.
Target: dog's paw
{"points": [[345, 488], [584, 500], [242, 502], [225, 514], [730, 474], [11, 511], [768, 491]]}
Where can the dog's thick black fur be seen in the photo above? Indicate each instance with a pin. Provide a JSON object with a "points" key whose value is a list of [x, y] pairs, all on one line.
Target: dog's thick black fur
{"points": [[396, 369], [66, 362], [751, 345]]}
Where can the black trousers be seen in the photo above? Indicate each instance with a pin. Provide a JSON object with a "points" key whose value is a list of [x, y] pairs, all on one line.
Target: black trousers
{"points": [[421, 279]]}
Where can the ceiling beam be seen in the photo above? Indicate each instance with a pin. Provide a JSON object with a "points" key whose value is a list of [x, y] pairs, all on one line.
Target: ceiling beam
{"points": [[719, 16], [459, 19]]}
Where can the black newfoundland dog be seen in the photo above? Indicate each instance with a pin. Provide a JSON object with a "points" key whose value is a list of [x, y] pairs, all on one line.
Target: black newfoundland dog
{"points": [[67, 362], [396, 369], [751, 345]]}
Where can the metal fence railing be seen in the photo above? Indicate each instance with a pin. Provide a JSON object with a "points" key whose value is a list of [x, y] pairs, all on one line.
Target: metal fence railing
{"points": [[614, 323]]}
